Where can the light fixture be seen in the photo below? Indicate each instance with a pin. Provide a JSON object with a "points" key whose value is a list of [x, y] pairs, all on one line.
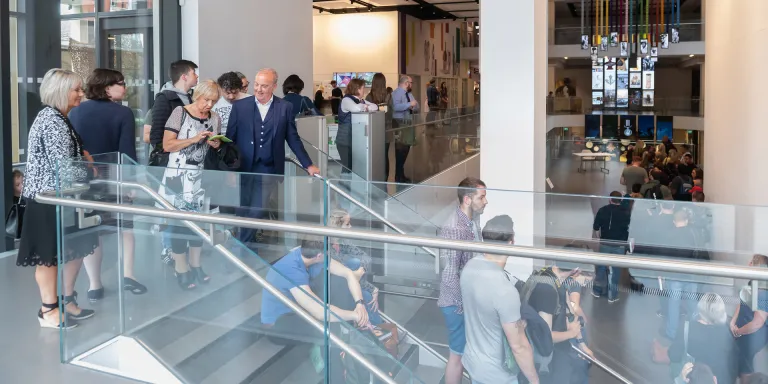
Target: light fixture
{"points": [[566, 58], [691, 55], [477, 27]]}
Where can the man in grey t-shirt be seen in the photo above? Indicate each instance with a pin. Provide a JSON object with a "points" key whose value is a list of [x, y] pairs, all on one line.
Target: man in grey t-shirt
{"points": [[634, 174], [492, 314]]}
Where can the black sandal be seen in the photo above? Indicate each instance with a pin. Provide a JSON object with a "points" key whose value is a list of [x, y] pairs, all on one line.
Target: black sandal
{"points": [[201, 276], [84, 313], [186, 280], [65, 323], [134, 286]]}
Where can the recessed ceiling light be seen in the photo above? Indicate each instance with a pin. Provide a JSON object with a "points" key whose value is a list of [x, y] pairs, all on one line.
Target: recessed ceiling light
{"points": [[691, 55], [566, 58]]}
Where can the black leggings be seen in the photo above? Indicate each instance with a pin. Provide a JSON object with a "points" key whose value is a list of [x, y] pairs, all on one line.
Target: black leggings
{"points": [[401, 155], [345, 153]]}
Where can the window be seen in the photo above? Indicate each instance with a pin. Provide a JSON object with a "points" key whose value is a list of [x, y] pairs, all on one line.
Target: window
{"points": [[125, 5]]}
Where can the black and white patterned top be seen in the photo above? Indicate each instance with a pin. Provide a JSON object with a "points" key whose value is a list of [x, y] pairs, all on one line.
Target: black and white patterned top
{"points": [[53, 151]]}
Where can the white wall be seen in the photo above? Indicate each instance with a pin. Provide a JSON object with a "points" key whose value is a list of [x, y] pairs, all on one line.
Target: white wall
{"points": [[247, 35], [365, 42]]}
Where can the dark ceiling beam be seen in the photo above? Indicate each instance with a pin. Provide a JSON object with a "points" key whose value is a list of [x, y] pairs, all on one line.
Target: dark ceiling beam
{"points": [[457, 2], [437, 11]]}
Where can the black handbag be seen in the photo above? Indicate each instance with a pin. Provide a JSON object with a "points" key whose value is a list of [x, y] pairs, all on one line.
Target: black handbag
{"points": [[158, 157], [15, 219]]}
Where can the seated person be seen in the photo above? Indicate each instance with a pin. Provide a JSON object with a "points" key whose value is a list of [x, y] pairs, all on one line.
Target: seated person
{"points": [[291, 275], [357, 261], [748, 326]]}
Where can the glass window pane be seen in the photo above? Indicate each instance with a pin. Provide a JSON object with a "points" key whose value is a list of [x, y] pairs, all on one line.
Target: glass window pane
{"points": [[74, 7], [12, 5], [125, 5], [78, 45]]}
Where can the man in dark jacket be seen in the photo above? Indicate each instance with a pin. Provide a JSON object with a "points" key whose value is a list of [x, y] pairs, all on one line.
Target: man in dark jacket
{"points": [[183, 78]]}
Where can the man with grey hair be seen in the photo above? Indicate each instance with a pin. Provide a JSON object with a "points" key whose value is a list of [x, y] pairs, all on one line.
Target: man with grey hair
{"points": [[260, 126], [404, 106]]}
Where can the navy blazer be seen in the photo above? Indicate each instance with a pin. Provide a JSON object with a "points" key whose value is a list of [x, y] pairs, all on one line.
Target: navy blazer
{"points": [[244, 120]]}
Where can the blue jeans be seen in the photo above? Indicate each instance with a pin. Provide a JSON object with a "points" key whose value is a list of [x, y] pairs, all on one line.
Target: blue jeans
{"points": [[457, 340], [672, 294], [373, 316], [605, 281]]}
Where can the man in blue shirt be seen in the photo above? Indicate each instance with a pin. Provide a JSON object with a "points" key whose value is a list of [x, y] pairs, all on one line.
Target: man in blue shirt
{"points": [[291, 276], [404, 106]]}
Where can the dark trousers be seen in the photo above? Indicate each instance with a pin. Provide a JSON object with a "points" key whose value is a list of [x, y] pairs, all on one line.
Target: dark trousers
{"points": [[255, 191], [401, 155], [749, 345], [386, 161], [345, 153]]}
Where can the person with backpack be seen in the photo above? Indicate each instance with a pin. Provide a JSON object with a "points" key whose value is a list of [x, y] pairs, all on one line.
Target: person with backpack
{"points": [[546, 292], [681, 187], [493, 314], [183, 78], [611, 226], [655, 188]]}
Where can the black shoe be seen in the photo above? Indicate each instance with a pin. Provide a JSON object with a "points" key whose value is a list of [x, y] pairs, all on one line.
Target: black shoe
{"points": [[200, 276], [96, 295], [134, 286], [186, 280], [83, 314], [66, 323]]}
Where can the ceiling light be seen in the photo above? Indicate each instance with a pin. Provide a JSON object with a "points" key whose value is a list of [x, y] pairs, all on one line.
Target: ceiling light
{"points": [[566, 58], [691, 55], [477, 27]]}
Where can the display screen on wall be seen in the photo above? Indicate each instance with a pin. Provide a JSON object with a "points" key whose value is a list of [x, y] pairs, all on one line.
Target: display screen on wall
{"points": [[663, 127], [343, 78], [610, 98], [635, 80], [648, 80], [627, 126], [648, 99], [610, 126], [622, 98], [367, 77], [646, 125], [597, 98], [592, 126]]}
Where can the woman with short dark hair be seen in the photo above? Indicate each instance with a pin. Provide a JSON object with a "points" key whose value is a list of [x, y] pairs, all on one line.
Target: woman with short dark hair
{"points": [[302, 105], [107, 126]]}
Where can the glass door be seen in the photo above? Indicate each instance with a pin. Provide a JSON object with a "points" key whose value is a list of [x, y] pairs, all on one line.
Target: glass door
{"points": [[130, 52]]}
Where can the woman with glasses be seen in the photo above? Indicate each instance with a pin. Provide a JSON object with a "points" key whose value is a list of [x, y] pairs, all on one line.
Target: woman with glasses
{"points": [[53, 145], [107, 126]]}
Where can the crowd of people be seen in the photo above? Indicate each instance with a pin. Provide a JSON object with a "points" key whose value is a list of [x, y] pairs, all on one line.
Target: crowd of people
{"points": [[529, 331]]}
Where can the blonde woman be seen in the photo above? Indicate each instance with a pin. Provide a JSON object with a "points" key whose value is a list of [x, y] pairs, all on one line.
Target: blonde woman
{"points": [[709, 340], [186, 139], [53, 145], [356, 260]]}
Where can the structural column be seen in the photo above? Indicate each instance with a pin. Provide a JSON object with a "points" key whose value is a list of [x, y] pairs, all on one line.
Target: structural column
{"points": [[247, 35], [513, 64], [735, 122]]}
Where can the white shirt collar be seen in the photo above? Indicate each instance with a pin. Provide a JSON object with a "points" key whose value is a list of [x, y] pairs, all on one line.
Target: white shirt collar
{"points": [[268, 102]]}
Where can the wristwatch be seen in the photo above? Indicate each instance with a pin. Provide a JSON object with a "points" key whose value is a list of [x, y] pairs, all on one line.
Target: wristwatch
{"points": [[580, 341], [360, 302]]}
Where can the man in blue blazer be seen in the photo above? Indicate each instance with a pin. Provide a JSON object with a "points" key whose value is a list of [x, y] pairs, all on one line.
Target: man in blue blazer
{"points": [[260, 126]]}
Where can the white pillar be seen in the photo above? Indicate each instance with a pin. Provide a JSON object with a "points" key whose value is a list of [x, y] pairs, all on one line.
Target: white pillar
{"points": [[513, 61], [735, 119], [247, 35]]}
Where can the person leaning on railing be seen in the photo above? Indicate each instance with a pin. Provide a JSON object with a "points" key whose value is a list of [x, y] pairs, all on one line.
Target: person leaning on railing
{"points": [[53, 145], [382, 96]]}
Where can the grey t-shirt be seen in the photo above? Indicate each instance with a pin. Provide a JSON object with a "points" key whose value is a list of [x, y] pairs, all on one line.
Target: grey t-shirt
{"points": [[633, 175], [490, 299]]}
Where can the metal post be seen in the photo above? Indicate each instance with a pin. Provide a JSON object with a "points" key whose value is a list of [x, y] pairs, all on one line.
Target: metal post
{"points": [[120, 247], [6, 151]]}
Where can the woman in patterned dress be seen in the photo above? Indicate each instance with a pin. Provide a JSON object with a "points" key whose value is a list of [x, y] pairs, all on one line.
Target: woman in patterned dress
{"points": [[186, 139], [53, 145]]}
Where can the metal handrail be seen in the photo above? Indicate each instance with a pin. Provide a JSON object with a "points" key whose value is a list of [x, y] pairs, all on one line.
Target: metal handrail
{"points": [[573, 256], [602, 365], [430, 122], [360, 205], [169, 211]]}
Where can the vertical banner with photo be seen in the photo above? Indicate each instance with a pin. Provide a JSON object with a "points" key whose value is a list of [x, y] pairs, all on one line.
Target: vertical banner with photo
{"points": [[624, 48], [648, 98], [614, 39], [664, 41], [643, 46], [593, 55], [604, 43], [663, 127], [597, 77], [648, 80], [597, 97], [646, 126], [635, 80], [675, 38], [654, 51], [609, 74], [636, 98], [584, 42], [628, 126]]}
